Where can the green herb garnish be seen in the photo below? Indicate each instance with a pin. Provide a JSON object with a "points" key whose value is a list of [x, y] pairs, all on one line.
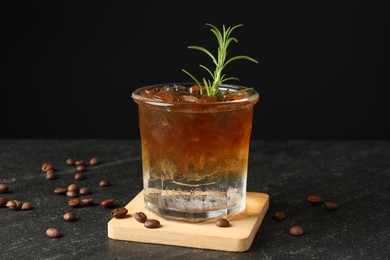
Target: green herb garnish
{"points": [[224, 40]]}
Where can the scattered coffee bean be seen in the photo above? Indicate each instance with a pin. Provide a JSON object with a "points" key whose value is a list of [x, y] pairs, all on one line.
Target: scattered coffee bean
{"points": [[46, 166], [73, 187], [26, 206], [94, 161], [50, 175], [74, 203], [279, 215], [71, 193], [70, 161], [222, 222], [79, 176], [87, 202], [3, 202], [53, 232], [104, 183], [60, 191], [314, 199], [14, 204], [152, 223], [69, 216], [119, 213], [80, 162], [330, 205], [107, 203], [80, 168], [3, 188], [85, 191], [140, 217], [296, 231]]}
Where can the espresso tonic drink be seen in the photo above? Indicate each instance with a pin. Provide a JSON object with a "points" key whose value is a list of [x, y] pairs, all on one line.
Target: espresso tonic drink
{"points": [[194, 150]]}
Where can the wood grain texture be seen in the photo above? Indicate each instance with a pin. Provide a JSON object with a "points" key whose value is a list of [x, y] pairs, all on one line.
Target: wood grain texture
{"points": [[237, 238]]}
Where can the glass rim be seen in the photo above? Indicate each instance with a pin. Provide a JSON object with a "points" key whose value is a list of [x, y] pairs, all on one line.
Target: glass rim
{"points": [[252, 99]]}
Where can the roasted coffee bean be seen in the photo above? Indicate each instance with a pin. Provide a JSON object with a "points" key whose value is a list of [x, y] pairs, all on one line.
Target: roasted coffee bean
{"points": [[330, 205], [296, 231], [79, 176], [14, 204], [73, 187], [60, 191], [46, 166], [279, 215], [94, 161], [3, 202], [50, 175], [70, 161], [104, 183], [3, 188], [71, 193], [85, 191], [87, 202], [79, 162], [152, 223], [53, 232], [222, 222], [119, 213], [69, 216], [314, 199], [140, 217], [80, 168], [26, 206], [74, 203], [107, 203]]}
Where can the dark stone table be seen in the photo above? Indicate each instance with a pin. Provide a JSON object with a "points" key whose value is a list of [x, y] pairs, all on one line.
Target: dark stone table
{"points": [[355, 174]]}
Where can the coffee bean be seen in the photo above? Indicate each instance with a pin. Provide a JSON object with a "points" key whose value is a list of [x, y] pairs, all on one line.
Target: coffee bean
{"points": [[152, 223], [140, 217], [87, 202], [85, 191], [74, 203], [26, 206], [53, 232], [222, 222], [94, 161], [69, 216], [119, 213], [80, 168], [107, 203], [3, 202], [71, 193], [60, 191], [330, 205], [46, 166], [73, 187], [80, 162], [14, 204], [70, 161], [3, 188], [314, 199], [79, 176], [50, 175], [296, 231], [279, 215], [104, 183]]}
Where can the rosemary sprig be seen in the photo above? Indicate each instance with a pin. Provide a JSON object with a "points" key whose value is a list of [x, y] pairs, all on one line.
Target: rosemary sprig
{"points": [[224, 40]]}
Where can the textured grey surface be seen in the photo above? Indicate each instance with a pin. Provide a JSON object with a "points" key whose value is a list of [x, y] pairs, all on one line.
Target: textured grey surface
{"points": [[355, 174]]}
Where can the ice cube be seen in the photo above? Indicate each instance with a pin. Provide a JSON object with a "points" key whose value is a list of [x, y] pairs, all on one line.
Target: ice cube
{"points": [[188, 98]]}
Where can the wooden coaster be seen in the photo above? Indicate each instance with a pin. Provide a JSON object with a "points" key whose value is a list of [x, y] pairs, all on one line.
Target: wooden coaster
{"points": [[237, 238]]}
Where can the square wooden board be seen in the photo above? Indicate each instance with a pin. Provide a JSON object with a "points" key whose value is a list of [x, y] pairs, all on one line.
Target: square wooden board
{"points": [[237, 238]]}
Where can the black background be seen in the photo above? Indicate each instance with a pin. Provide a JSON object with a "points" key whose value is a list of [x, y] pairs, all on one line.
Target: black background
{"points": [[69, 67]]}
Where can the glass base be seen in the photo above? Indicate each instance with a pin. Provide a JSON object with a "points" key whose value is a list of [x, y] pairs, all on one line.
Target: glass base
{"points": [[197, 216]]}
